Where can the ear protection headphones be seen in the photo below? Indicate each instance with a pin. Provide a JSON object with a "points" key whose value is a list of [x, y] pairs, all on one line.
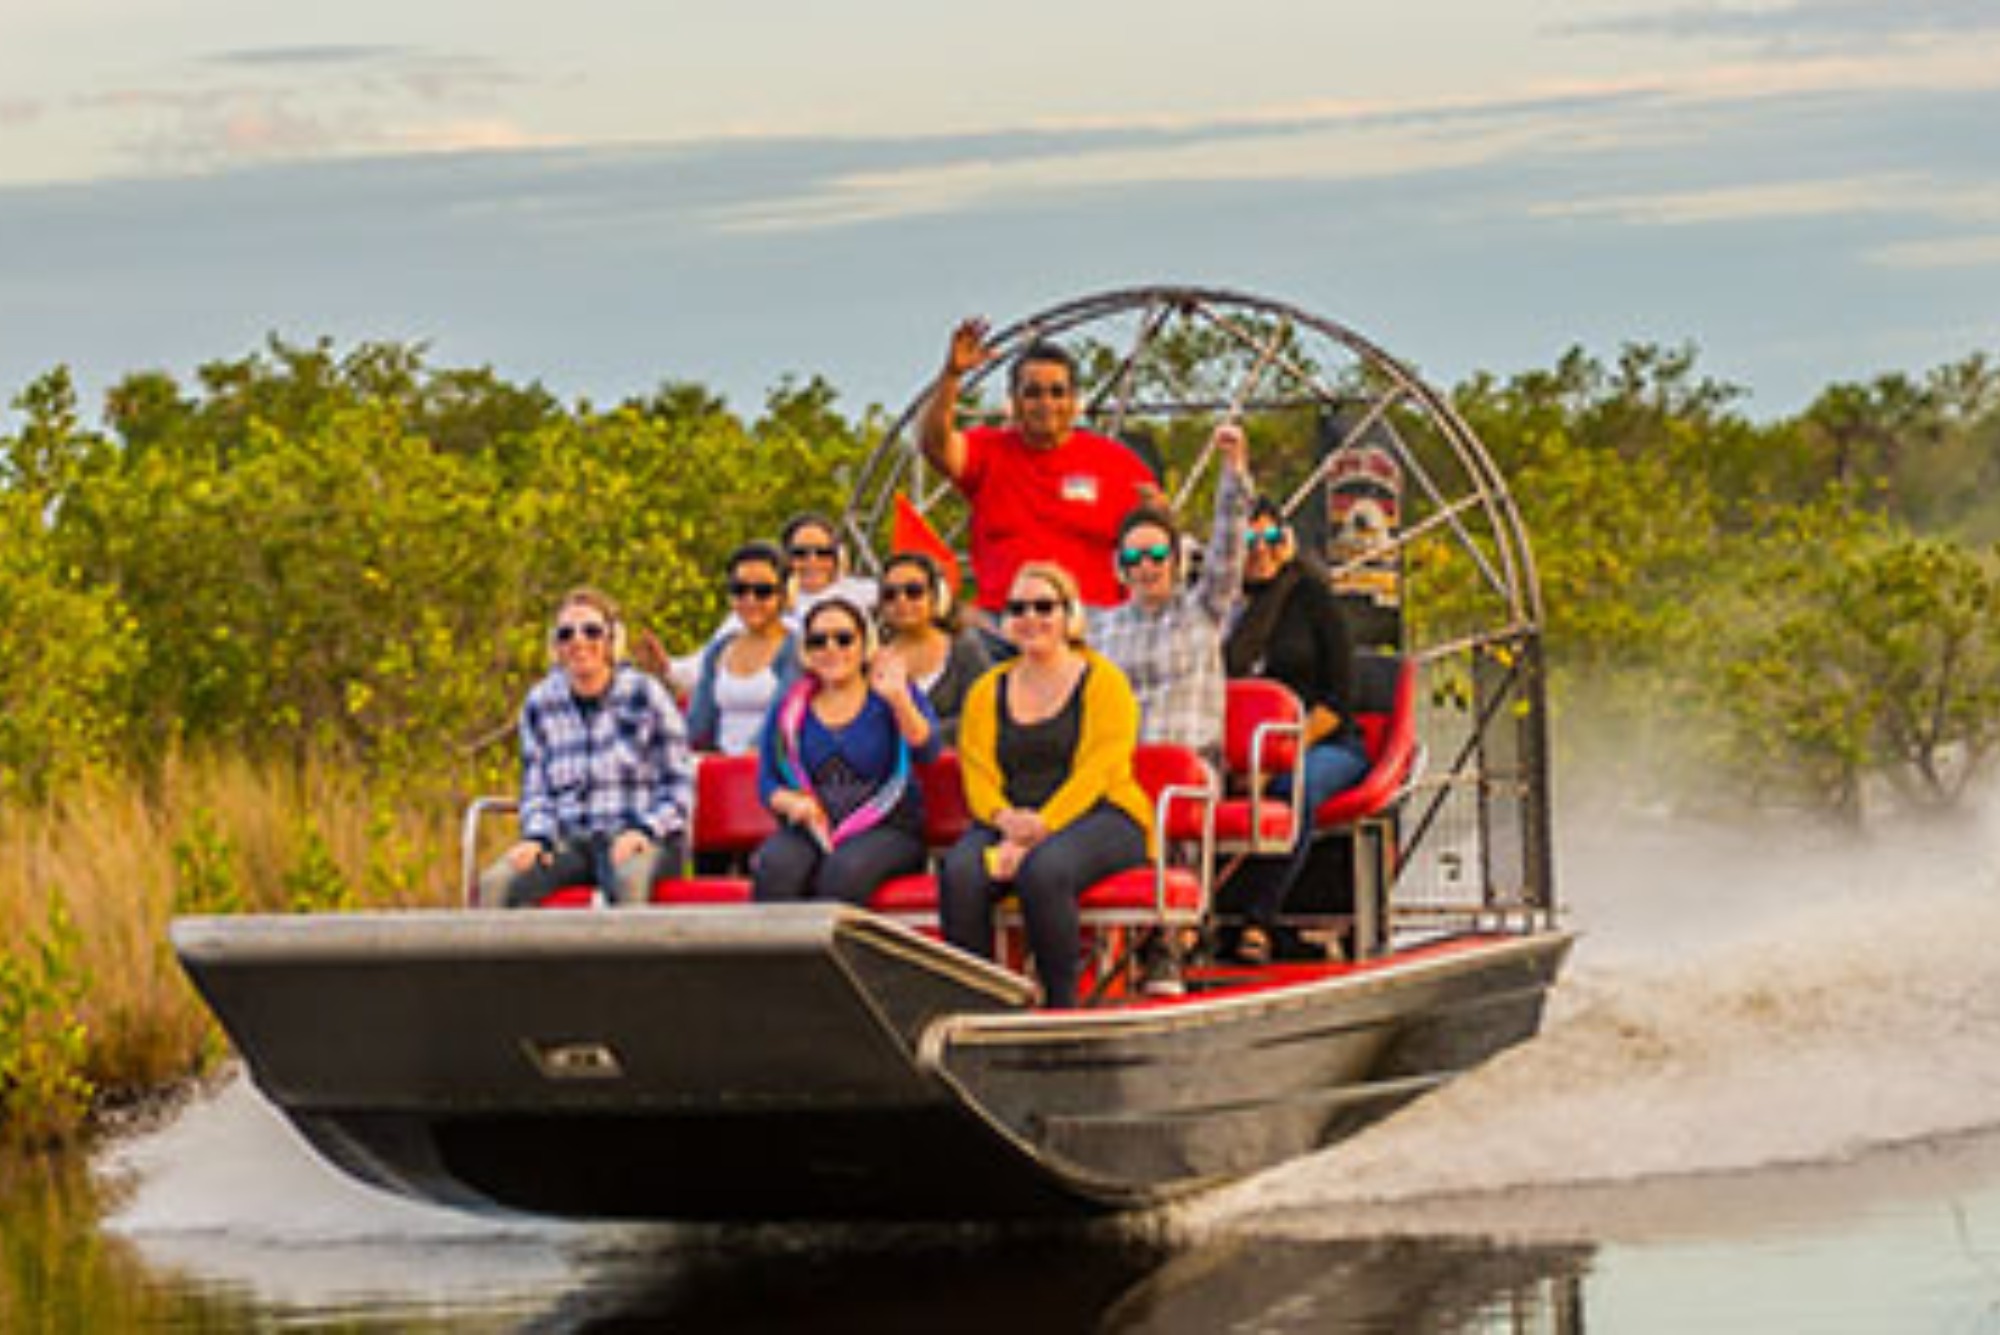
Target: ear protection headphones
{"points": [[942, 599]]}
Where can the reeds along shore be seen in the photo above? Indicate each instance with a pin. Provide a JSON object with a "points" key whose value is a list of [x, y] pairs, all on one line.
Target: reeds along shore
{"points": [[94, 1012]]}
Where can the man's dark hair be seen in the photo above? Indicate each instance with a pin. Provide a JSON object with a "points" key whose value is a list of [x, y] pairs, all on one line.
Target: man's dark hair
{"points": [[1042, 350]]}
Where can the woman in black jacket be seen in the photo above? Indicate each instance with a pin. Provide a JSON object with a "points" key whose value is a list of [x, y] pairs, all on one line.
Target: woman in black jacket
{"points": [[1292, 631]]}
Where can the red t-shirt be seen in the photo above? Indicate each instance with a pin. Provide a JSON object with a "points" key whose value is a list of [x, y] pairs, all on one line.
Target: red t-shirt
{"points": [[1062, 505]]}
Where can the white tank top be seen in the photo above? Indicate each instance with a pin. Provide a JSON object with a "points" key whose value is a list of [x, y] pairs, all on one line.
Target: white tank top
{"points": [[740, 705]]}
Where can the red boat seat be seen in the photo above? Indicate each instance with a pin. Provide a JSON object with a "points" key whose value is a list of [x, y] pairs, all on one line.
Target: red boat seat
{"points": [[729, 817], [913, 899], [1164, 890], [676, 891], [1390, 739], [573, 897], [729, 820], [1262, 725]]}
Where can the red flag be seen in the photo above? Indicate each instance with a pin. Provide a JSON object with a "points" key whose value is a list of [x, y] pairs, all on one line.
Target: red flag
{"points": [[911, 532]]}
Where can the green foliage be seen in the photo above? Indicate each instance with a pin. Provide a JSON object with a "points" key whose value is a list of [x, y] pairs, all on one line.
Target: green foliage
{"points": [[314, 883], [44, 1093], [315, 556], [1859, 656], [205, 873], [67, 652], [351, 558]]}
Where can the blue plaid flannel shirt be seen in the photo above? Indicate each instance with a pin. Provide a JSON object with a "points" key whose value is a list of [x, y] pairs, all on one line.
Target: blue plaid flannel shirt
{"points": [[623, 766]]}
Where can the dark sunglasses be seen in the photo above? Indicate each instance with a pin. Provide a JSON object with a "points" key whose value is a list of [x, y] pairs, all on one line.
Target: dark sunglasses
{"points": [[1045, 391], [743, 588], [1271, 535], [839, 639], [1041, 607], [891, 592], [590, 630], [1132, 556], [805, 553]]}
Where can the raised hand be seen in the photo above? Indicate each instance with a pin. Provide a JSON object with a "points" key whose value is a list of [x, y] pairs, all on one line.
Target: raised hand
{"points": [[1233, 446], [968, 351]]}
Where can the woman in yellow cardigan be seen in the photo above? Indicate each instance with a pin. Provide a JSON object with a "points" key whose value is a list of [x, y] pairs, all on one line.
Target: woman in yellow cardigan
{"points": [[1045, 742]]}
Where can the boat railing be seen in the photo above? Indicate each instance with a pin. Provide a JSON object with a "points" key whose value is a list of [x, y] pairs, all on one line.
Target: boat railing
{"points": [[478, 809]]}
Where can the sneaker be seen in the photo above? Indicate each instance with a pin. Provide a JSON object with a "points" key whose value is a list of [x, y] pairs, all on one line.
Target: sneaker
{"points": [[1160, 971]]}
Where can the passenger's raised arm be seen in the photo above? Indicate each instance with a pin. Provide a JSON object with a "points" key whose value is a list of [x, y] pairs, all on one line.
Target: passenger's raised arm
{"points": [[937, 433]]}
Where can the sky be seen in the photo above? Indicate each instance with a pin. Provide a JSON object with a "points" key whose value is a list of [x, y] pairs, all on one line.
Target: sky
{"points": [[605, 195]]}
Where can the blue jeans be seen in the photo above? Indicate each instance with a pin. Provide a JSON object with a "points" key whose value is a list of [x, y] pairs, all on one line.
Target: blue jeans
{"points": [[583, 860], [1258, 891]]}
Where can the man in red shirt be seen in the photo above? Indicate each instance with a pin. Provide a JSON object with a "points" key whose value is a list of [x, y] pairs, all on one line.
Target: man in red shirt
{"points": [[1039, 489]]}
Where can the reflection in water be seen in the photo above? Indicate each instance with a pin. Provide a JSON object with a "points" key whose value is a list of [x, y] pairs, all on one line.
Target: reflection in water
{"points": [[1384, 1284], [60, 1273], [1092, 1280]]}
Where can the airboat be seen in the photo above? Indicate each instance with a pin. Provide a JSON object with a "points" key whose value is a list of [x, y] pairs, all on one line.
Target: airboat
{"points": [[703, 1058]]}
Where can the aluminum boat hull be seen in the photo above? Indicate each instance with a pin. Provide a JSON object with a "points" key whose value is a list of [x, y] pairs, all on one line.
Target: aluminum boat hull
{"points": [[811, 1061]]}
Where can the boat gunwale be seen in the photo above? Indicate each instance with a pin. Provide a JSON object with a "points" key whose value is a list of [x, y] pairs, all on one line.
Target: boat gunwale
{"points": [[1363, 978]]}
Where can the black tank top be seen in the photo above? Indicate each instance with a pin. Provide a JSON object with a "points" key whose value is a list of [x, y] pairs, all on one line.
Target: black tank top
{"points": [[1037, 758]]}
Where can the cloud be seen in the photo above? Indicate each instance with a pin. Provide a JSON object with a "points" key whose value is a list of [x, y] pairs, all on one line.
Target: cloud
{"points": [[1902, 194], [1607, 120], [311, 56], [304, 103], [1950, 252], [1797, 24]]}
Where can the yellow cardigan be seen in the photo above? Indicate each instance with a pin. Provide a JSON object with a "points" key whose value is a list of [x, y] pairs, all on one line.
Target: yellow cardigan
{"points": [[1103, 764]]}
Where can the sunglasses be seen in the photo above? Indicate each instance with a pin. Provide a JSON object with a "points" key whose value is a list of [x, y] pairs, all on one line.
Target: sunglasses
{"points": [[839, 639], [752, 589], [590, 630], [809, 553], [1157, 553], [1039, 391], [1041, 607], [1271, 535], [892, 592]]}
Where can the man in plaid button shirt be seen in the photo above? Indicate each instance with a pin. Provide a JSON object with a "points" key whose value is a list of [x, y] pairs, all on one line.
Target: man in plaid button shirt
{"points": [[605, 772], [1167, 637]]}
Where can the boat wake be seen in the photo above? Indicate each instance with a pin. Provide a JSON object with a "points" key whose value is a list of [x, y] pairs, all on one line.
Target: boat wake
{"points": [[1741, 1000], [229, 1192]]}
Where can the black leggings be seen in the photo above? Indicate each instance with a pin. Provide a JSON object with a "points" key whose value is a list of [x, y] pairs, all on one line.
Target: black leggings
{"points": [[1048, 882], [791, 864]]}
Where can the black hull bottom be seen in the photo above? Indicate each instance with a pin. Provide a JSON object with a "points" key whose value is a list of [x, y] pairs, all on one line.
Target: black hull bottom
{"points": [[910, 1164]]}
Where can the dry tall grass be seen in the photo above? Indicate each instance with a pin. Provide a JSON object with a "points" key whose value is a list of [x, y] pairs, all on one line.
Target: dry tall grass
{"points": [[118, 854]]}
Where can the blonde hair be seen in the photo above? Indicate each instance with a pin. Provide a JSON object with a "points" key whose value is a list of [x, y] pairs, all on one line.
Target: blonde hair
{"points": [[1065, 585]]}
